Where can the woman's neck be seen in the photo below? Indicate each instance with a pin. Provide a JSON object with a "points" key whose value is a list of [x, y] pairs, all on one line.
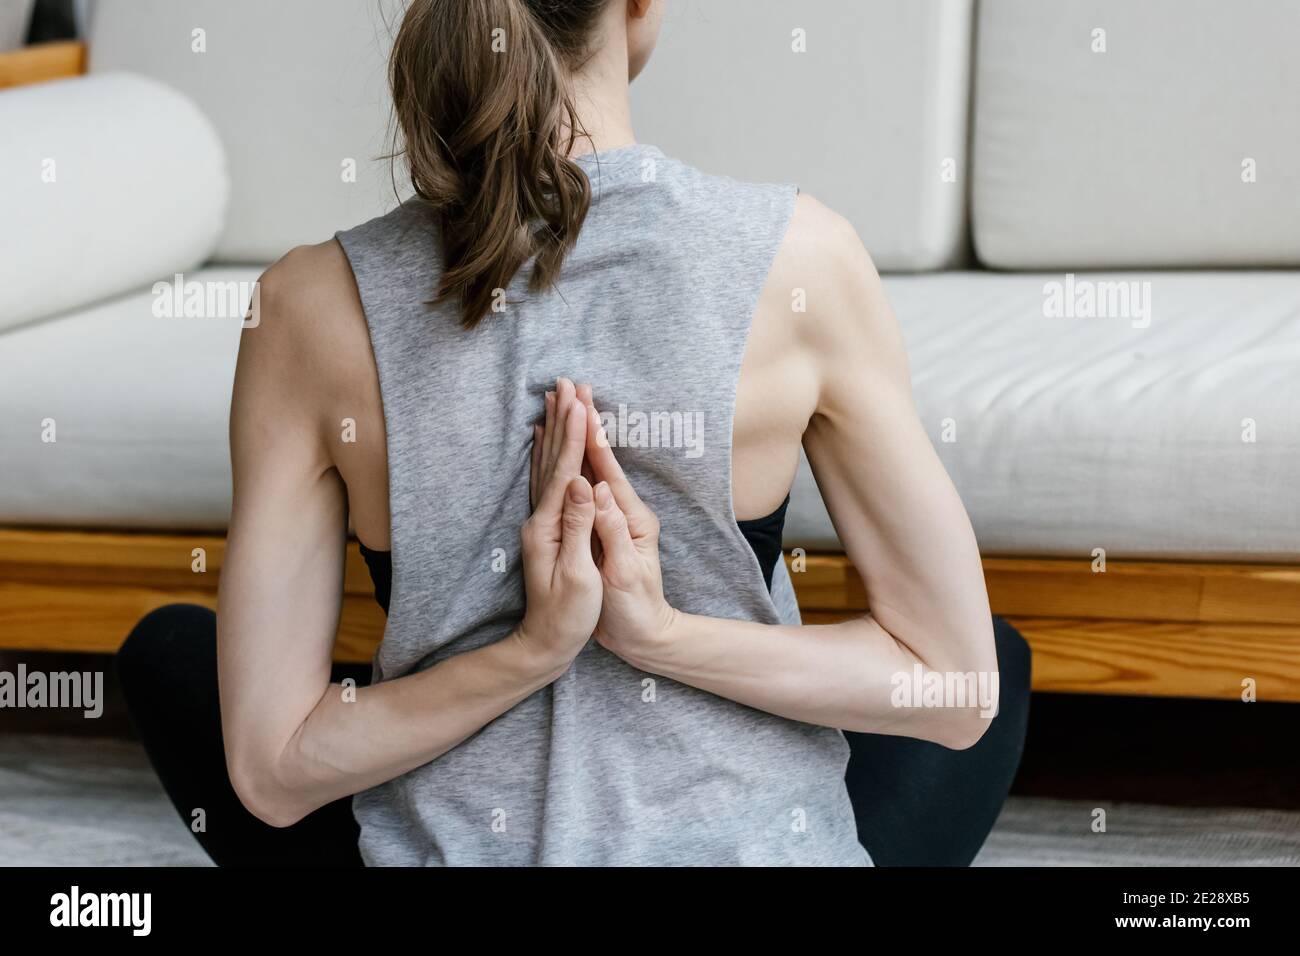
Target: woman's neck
{"points": [[600, 99]]}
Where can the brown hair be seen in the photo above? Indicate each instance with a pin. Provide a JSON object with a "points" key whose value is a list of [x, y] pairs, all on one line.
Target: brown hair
{"points": [[483, 102]]}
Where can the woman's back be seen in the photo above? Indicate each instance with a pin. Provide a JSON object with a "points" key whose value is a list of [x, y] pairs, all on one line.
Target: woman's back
{"points": [[720, 326], [653, 308]]}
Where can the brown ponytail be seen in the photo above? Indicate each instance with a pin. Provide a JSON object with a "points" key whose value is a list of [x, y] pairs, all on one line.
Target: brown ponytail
{"points": [[482, 99]]}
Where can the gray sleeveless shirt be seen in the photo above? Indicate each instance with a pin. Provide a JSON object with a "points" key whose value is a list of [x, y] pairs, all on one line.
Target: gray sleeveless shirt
{"points": [[609, 764]]}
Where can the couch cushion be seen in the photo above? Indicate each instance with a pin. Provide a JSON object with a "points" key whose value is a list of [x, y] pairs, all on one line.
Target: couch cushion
{"points": [[872, 111], [110, 215], [140, 406], [864, 120], [1133, 157], [295, 89], [1073, 433]]}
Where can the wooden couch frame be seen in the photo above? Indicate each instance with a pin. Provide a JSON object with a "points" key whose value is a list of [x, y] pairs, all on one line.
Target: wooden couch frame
{"points": [[1184, 629]]}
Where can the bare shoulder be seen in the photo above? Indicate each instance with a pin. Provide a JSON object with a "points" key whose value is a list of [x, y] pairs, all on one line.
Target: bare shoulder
{"points": [[818, 260], [849, 321], [309, 298], [823, 251], [309, 348], [816, 229]]}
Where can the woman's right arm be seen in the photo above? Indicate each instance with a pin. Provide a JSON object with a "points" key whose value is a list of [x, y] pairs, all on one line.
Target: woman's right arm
{"points": [[294, 741]]}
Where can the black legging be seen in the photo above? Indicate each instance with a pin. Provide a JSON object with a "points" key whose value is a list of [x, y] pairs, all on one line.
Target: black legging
{"points": [[916, 803]]}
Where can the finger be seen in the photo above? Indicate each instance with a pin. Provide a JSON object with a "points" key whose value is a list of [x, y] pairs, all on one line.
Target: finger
{"points": [[606, 466], [572, 442], [568, 462], [597, 552], [579, 514], [564, 398], [583, 395], [548, 435], [612, 529], [534, 466]]}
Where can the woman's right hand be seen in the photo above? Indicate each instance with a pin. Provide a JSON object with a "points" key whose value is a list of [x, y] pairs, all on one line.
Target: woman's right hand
{"points": [[562, 584]]}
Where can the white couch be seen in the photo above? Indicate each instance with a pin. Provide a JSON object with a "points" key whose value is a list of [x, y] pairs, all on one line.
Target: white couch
{"points": [[955, 136]]}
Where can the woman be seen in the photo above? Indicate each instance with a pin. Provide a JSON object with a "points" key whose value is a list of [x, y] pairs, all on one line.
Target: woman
{"points": [[415, 378]]}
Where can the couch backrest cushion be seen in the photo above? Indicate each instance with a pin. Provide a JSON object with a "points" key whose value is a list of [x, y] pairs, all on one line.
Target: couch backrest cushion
{"points": [[295, 88], [87, 213], [1179, 145], [867, 119], [872, 118]]}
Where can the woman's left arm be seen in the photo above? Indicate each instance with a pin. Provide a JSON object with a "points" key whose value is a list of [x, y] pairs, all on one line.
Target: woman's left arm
{"points": [[900, 520]]}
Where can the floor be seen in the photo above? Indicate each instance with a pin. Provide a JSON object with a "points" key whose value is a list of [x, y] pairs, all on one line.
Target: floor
{"points": [[86, 801], [1182, 782], [95, 801]]}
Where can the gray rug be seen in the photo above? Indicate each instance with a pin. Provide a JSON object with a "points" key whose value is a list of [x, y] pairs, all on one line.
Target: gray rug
{"points": [[1034, 831], [95, 802], [86, 801]]}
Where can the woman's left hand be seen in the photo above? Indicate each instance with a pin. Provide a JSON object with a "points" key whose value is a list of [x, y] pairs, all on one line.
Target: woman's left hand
{"points": [[636, 621]]}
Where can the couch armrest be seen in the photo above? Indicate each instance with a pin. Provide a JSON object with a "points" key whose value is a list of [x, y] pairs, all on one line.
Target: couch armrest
{"points": [[44, 61]]}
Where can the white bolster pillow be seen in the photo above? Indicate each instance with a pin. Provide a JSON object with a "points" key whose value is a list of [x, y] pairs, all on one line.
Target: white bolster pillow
{"points": [[107, 183]]}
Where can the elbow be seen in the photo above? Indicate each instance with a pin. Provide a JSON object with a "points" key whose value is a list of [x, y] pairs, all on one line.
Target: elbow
{"points": [[255, 785], [964, 725], [962, 729], [953, 704], [972, 691]]}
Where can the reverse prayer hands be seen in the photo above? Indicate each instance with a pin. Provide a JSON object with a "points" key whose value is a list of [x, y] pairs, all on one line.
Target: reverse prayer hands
{"points": [[562, 584], [635, 620]]}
